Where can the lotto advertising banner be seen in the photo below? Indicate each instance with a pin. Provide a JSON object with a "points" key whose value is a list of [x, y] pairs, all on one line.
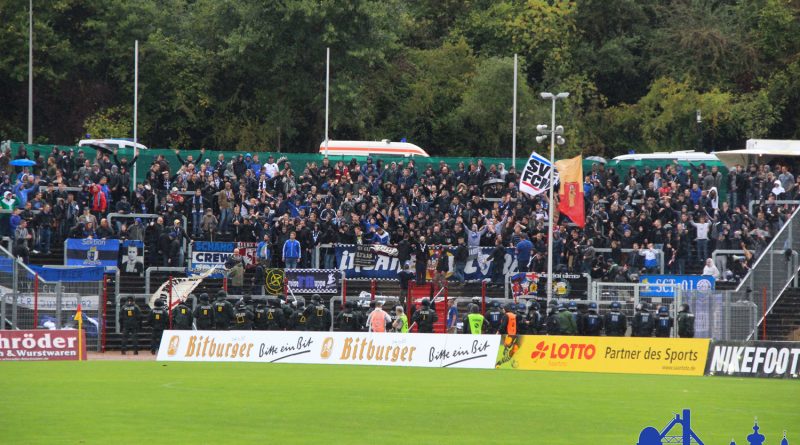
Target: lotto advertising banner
{"points": [[624, 355], [386, 266], [92, 252], [208, 255], [335, 348], [41, 345], [313, 281], [687, 283], [754, 359]]}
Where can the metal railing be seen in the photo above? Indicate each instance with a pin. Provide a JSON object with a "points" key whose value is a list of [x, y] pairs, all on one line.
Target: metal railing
{"points": [[776, 202], [659, 254]]}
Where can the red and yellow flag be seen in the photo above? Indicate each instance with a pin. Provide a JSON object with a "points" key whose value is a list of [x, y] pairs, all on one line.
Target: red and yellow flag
{"points": [[570, 196], [78, 314]]}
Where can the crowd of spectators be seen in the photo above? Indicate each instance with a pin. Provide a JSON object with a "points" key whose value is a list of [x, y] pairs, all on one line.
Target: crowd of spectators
{"points": [[674, 210]]}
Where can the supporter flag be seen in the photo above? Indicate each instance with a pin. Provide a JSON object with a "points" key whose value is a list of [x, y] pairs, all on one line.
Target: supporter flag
{"points": [[535, 178], [78, 313], [571, 193]]}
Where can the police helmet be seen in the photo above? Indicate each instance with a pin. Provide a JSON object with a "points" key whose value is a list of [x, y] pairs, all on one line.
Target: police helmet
{"points": [[426, 302], [204, 297], [685, 308], [509, 307], [316, 298], [130, 299], [474, 309], [615, 305], [534, 305], [495, 304], [300, 302], [593, 306], [644, 307], [573, 306], [159, 303], [240, 304], [476, 300], [521, 307], [663, 310], [349, 305], [190, 297], [562, 307], [222, 294], [261, 303]]}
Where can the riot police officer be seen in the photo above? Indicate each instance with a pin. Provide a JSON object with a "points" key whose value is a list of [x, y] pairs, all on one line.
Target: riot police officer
{"points": [[320, 318], [663, 322], [275, 316], [685, 322], [243, 317], [182, 317], [643, 323], [523, 327], [347, 320], [425, 317], [130, 317], [591, 323], [204, 314], [534, 318], [299, 319], [223, 312], [493, 316], [159, 317], [566, 321], [616, 323], [260, 316], [552, 324]]}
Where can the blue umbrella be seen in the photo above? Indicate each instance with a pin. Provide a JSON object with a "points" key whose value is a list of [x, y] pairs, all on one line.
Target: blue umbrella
{"points": [[22, 163]]}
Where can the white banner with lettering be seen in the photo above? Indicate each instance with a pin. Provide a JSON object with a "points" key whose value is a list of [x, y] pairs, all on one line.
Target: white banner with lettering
{"points": [[336, 348], [535, 178]]}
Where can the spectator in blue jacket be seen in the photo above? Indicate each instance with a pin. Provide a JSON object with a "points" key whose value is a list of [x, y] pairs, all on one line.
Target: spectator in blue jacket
{"points": [[291, 251], [524, 249]]}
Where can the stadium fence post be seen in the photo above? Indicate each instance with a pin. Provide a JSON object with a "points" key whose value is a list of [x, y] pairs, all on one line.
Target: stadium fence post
{"points": [[169, 306], [409, 297], [764, 324], [373, 287], [344, 289], [104, 324], [35, 300], [483, 297], [224, 283]]}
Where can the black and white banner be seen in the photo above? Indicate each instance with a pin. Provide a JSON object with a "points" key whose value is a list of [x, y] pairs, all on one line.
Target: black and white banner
{"points": [[313, 281], [535, 178], [365, 257], [754, 359]]}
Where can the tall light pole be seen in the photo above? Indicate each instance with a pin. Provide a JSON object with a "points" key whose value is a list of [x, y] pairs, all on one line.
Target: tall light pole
{"points": [[30, 72], [327, 93], [135, 106], [554, 131], [514, 120]]}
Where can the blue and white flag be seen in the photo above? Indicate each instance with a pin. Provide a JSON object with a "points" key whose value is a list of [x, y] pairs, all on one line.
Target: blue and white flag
{"points": [[92, 252]]}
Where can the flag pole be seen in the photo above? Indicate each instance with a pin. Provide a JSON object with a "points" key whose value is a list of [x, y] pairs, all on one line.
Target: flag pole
{"points": [[79, 319], [327, 93], [514, 120], [30, 72]]}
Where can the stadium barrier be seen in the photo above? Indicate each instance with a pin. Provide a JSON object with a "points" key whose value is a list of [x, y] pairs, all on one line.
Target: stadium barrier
{"points": [[335, 348], [625, 355], [766, 359]]}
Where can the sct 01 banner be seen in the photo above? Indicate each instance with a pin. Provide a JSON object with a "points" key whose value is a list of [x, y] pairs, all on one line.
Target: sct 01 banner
{"points": [[335, 348], [386, 266], [754, 359], [92, 252], [687, 282], [627, 355], [313, 281]]}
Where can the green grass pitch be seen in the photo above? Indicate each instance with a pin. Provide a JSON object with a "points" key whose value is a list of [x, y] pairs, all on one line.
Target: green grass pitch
{"points": [[143, 402]]}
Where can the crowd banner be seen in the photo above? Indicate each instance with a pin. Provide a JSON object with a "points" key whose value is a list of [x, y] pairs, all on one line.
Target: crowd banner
{"points": [[625, 355], [92, 252], [313, 281], [335, 348], [386, 264], [274, 281], [68, 274], [131, 259], [768, 359], [687, 283], [47, 301], [364, 256], [535, 178], [41, 345], [565, 285], [209, 255]]}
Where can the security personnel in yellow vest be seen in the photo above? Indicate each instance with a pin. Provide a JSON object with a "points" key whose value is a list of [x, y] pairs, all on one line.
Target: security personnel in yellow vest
{"points": [[508, 324], [400, 323], [474, 322], [159, 317], [182, 317], [275, 317], [425, 317]]}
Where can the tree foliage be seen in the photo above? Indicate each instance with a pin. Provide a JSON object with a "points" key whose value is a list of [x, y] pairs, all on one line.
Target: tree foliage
{"points": [[245, 75]]}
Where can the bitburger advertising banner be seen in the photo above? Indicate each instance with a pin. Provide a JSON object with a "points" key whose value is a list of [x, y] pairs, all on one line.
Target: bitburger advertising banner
{"points": [[676, 356], [335, 348], [754, 359], [41, 345]]}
